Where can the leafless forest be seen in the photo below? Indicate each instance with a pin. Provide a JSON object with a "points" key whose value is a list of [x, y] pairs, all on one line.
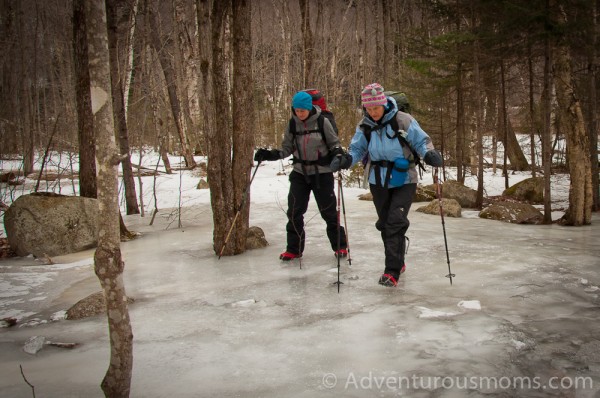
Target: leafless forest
{"points": [[472, 69], [98, 80]]}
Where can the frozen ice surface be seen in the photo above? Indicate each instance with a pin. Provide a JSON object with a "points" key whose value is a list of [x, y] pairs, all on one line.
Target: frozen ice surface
{"points": [[252, 326]]}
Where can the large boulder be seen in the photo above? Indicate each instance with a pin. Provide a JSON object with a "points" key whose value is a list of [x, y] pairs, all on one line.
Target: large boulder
{"points": [[51, 224], [451, 208], [517, 213], [425, 194], [530, 190], [92, 305], [465, 196]]}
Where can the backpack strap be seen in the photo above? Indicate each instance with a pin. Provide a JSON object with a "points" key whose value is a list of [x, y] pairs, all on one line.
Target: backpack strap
{"points": [[320, 128], [404, 142], [292, 129], [393, 122]]}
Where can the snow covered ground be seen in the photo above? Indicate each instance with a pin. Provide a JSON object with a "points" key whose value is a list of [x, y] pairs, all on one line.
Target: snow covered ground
{"points": [[520, 320]]}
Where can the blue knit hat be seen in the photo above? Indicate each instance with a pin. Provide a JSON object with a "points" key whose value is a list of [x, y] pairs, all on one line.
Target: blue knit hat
{"points": [[302, 100]]}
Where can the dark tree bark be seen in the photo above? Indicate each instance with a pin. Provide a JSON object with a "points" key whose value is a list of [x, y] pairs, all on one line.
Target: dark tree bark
{"points": [[307, 43], [547, 115], [243, 118], [118, 99], [593, 110], [504, 136], [85, 118], [108, 260], [205, 96], [460, 125], [219, 139]]}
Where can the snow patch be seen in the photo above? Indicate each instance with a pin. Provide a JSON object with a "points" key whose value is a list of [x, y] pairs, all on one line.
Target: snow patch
{"points": [[470, 304], [429, 313], [244, 303], [58, 316]]}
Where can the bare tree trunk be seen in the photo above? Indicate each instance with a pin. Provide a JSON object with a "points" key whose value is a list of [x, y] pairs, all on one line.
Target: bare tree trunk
{"points": [[219, 140], [85, 118], [108, 260], [283, 17], [532, 122], [578, 145], [130, 54], [478, 117], [547, 134], [460, 110], [183, 52], [307, 43], [243, 119], [504, 124], [205, 96], [515, 154], [119, 110], [27, 120], [460, 125], [594, 122], [171, 81], [386, 47]]}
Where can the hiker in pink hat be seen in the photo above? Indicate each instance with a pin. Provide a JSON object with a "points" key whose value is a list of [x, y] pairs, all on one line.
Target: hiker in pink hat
{"points": [[394, 143]]}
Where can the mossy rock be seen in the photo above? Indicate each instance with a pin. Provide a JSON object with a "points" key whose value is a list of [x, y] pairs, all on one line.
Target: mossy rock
{"points": [[530, 190]]}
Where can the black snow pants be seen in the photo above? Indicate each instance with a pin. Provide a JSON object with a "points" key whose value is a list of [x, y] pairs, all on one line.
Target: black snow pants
{"points": [[298, 197], [392, 205]]}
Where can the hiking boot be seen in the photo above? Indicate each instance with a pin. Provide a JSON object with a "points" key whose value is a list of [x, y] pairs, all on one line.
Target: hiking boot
{"points": [[342, 253], [388, 280], [287, 256]]}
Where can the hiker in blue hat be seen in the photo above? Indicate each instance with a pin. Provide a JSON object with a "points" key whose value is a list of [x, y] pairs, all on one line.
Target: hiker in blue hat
{"points": [[312, 140]]}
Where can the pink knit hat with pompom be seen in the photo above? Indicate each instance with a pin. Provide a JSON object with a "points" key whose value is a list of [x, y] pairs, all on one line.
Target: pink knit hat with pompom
{"points": [[372, 95]]}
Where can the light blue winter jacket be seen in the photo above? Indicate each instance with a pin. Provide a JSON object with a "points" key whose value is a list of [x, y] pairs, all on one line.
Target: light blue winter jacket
{"points": [[384, 145]]}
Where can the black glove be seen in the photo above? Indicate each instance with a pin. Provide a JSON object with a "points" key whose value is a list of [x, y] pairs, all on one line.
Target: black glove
{"points": [[337, 151], [433, 158], [341, 162], [263, 154]]}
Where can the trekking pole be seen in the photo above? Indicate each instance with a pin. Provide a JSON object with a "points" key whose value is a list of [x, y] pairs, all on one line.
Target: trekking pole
{"points": [[244, 195], [338, 283], [439, 195], [341, 186]]}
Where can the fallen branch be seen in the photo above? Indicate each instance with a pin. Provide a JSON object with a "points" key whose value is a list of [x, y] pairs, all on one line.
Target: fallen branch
{"points": [[26, 381], [61, 345]]}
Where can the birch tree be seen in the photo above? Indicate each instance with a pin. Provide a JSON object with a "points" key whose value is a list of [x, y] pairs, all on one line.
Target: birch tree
{"points": [[107, 258]]}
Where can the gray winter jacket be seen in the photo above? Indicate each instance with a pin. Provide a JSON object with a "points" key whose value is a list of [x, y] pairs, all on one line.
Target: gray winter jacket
{"points": [[307, 146]]}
